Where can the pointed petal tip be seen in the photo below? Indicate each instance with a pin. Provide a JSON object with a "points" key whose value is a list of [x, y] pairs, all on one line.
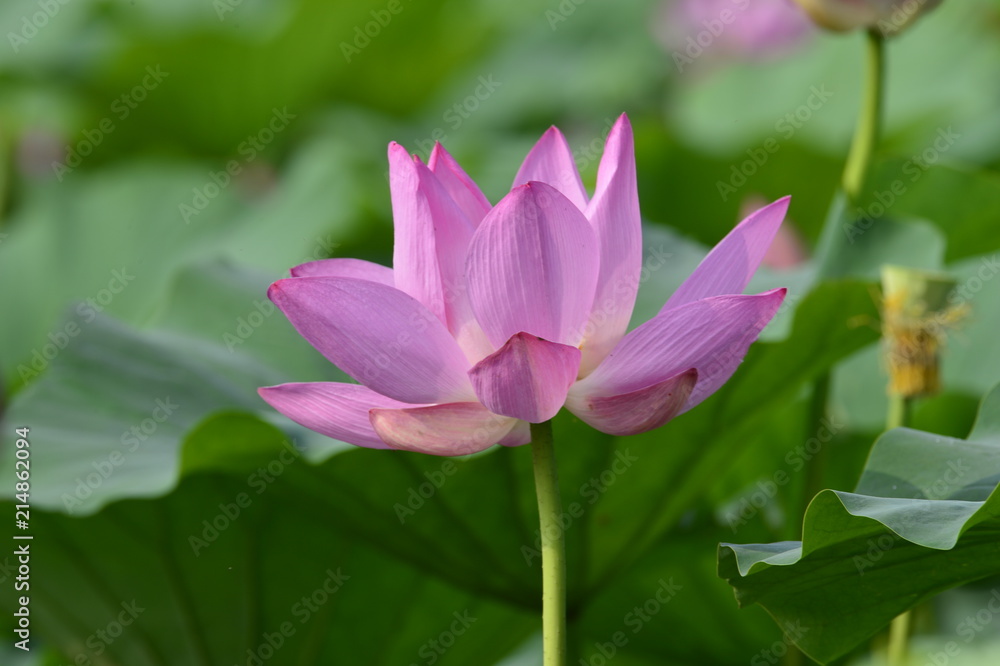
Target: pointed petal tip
{"points": [[778, 207], [622, 125], [272, 394], [274, 289], [399, 156], [551, 161], [519, 192], [730, 265], [437, 152], [775, 296]]}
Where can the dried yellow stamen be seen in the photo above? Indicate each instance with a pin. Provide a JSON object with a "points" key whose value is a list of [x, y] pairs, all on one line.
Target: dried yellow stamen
{"points": [[915, 317]]}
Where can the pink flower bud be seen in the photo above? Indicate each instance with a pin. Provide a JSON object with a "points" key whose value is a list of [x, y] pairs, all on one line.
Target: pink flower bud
{"points": [[887, 16]]}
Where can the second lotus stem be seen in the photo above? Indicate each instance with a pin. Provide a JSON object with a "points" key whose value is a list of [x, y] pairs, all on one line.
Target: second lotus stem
{"points": [[866, 133]]}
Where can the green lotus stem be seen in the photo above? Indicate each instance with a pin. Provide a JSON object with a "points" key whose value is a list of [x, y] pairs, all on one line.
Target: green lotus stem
{"points": [[866, 132], [553, 545], [900, 407], [899, 412], [899, 638]]}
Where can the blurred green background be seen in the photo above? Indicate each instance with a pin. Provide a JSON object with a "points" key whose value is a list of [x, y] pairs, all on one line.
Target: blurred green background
{"points": [[161, 163]]}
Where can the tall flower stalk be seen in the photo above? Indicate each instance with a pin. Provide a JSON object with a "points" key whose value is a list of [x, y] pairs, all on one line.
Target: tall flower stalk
{"points": [[866, 133], [553, 545]]}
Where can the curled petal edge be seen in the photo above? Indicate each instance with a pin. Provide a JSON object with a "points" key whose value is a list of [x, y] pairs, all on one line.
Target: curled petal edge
{"points": [[450, 429], [638, 411]]}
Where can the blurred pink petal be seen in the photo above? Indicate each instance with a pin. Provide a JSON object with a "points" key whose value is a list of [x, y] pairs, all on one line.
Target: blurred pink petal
{"points": [[787, 250], [726, 29]]}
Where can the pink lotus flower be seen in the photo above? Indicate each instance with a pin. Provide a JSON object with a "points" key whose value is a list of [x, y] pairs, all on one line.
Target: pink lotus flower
{"points": [[734, 30], [496, 316]]}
